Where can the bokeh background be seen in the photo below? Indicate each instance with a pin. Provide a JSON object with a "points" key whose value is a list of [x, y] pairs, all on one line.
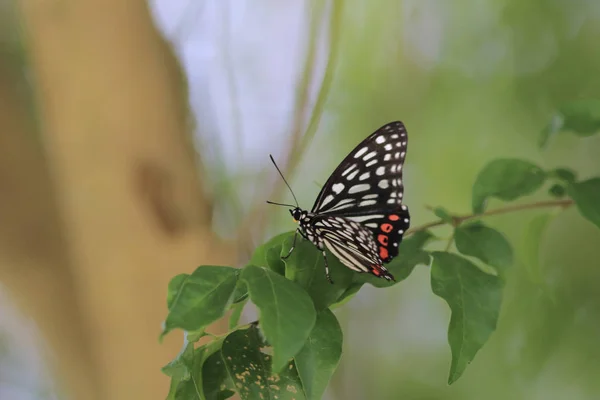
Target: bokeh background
{"points": [[134, 142]]}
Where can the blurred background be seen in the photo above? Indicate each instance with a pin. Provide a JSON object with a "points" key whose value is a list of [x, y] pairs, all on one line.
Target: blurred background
{"points": [[134, 143]]}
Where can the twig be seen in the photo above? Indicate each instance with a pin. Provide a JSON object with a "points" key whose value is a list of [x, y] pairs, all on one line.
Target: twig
{"points": [[459, 219]]}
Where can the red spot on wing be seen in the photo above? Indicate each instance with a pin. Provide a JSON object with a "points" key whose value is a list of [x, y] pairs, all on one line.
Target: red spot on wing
{"points": [[383, 239], [383, 253], [393, 217], [376, 270], [387, 228]]}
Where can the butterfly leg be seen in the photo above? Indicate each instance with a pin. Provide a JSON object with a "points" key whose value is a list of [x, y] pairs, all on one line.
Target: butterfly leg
{"points": [[327, 268], [291, 248]]}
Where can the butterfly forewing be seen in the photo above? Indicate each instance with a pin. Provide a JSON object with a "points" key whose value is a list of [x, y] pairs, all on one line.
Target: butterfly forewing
{"points": [[369, 179]]}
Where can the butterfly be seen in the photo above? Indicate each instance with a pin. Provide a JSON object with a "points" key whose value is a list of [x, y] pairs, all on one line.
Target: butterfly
{"points": [[359, 215]]}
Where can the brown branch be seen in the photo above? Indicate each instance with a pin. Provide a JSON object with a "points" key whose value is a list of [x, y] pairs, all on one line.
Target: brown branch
{"points": [[457, 220]]}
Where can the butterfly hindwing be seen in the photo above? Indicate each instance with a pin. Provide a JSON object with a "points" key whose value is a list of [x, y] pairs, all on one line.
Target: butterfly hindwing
{"points": [[351, 243], [370, 178], [389, 232]]}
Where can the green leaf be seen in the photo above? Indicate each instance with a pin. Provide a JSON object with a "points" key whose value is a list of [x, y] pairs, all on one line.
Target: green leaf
{"points": [[586, 195], [249, 368], [216, 383], [234, 318], [240, 293], [530, 247], [189, 386], [557, 191], [184, 390], [348, 294], [201, 298], [287, 313], [581, 116], [180, 367], [474, 298], [506, 179], [274, 260], [410, 255], [175, 285], [485, 243], [319, 357], [444, 215], [306, 267], [564, 174], [260, 256]]}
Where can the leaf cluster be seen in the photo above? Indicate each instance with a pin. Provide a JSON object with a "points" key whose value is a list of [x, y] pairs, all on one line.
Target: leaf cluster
{"points": [[293, 349]]}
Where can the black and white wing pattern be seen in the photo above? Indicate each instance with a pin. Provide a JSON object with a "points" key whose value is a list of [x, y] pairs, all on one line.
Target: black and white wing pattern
{"points": [[367, 188], [351, 243]]}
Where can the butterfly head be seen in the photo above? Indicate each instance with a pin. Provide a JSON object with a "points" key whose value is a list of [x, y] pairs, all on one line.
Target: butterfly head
{"points": [[298, 214]]}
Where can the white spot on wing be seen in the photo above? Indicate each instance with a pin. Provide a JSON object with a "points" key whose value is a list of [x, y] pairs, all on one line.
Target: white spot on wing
{"points": [[388, 157], [337, 188], [350, 168], [369, 156], [367, 203], [327, 199], [361, 152], [359, 188], [352, 175], [388, 147], [364, 176], [372, 162], [383, 184], [380, 171], [380, 139], [344, 203], [395, 136]]}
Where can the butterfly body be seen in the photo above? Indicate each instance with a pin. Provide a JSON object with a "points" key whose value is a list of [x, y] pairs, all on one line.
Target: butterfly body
{"points": [[359, 215]]}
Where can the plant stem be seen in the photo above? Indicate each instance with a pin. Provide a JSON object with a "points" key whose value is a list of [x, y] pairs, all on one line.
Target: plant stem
{"points": [[564, 203]]}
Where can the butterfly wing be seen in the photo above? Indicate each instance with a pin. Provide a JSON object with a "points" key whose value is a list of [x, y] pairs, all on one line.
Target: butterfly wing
{"points": [[369, 179], [352, 244], [367, 188]]}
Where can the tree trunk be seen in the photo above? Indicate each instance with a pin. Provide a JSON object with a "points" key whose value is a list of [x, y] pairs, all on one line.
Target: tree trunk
{"points": [[113, 112]]}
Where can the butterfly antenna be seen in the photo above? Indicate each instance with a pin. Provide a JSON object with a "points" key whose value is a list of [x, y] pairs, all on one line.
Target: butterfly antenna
{"points": [[280, 204], [287, 184]]}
